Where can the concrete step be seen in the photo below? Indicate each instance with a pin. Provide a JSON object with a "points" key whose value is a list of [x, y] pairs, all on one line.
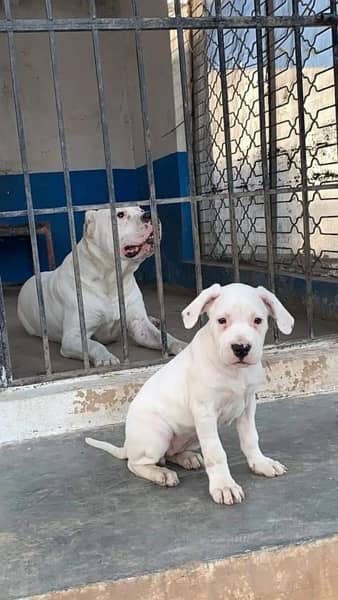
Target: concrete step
{"points": [[75, 524], [76, 403]]}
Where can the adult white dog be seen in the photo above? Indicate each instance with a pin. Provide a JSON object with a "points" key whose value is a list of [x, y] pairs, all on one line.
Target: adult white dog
{"points": [[213, 380], [100, 297]]}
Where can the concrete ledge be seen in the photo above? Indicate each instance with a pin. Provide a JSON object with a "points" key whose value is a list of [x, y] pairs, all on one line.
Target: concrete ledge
{"points": [[299, 572], [59, 407], [301, 369]]}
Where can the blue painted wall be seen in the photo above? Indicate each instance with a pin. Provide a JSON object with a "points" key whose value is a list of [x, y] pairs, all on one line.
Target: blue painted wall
{"points": [[171, 181], [90, 187]]}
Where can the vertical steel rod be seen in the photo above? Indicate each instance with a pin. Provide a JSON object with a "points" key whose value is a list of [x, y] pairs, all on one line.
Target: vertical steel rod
{"points": [[227, 139], [67, 183], [150, 173], [264, 155], [110, 181], [6, 374], [304, 178], [271, 76], [189, 146], [334, 30], [273, 165], [28, 190]]}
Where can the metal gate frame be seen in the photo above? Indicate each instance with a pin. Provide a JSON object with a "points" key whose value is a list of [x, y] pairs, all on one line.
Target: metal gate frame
{"points": [[217, 85], [138, 24]]}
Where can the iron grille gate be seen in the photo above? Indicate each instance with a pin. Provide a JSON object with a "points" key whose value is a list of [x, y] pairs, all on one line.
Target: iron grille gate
{"points": [[231, 187], [269, 139]]}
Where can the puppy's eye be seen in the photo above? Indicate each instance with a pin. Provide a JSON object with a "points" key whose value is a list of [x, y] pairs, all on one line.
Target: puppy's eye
{"points": [[120, 215], [222, 321], [258, 320]]}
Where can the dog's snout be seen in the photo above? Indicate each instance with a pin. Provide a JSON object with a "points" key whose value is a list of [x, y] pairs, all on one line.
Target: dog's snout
{"points": [[241, 350], [146, 216]]}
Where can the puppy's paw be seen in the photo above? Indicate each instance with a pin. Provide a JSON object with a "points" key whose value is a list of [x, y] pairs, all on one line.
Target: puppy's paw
{"points": [[188, 460], [176, 347], [267, 467], [106, 360], [167, 478], [231, 493], [192, 460]]}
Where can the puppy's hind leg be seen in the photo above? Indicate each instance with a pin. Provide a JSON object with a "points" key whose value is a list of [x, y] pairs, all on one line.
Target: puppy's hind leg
{"points": [[147, 451]]}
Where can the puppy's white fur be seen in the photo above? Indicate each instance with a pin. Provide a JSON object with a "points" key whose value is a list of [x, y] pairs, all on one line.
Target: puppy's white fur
{"points": [[179, 408], [99, 288]]}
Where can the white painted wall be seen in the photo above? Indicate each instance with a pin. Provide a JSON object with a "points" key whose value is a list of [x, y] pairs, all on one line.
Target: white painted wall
{"points": [[78, 83], [159, 80]]}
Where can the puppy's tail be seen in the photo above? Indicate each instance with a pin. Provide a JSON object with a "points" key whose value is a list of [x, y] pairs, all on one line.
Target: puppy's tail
{"points": [[116, 451]]}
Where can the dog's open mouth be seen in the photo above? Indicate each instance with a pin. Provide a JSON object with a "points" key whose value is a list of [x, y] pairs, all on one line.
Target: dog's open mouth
{"points": [[133, 251]]}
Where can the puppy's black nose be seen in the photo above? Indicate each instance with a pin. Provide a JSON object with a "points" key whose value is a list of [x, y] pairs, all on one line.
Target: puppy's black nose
{"points": [[146, 216], [241, 350]]}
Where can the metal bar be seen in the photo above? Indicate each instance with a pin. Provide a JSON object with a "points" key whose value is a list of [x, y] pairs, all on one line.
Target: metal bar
{"points": [[190, 151], [219, 196], [23, 231], [303, 169], [227, 140], [144, 364], [28, 192], [47, 232], [333, 7], [151, 177], [6, 374], [165, 23], [271, 77], [264, 155], [68, 189], [56, 376], [110, 182]]}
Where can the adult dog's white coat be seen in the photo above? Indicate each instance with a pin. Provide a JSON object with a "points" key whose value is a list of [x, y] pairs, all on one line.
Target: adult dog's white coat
{"points": [[213, 380], [99, 288]]}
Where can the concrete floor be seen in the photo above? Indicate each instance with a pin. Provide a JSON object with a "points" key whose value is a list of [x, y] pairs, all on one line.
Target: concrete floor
{"points": [[72, 515], [26, 351]]}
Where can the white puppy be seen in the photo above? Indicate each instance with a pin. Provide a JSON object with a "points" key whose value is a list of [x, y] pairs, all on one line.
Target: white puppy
{"points": [[213, 380], [99, 287]]}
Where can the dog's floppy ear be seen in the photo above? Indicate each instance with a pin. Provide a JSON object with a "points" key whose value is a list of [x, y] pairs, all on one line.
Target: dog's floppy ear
{"points": [[276, 310], [198, 306], [90, 223]]}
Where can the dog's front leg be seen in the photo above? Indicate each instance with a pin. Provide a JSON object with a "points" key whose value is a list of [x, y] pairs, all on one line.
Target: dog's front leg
{"points": [[222, 487], [249, 441], [146, 334], [71, 345]]}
